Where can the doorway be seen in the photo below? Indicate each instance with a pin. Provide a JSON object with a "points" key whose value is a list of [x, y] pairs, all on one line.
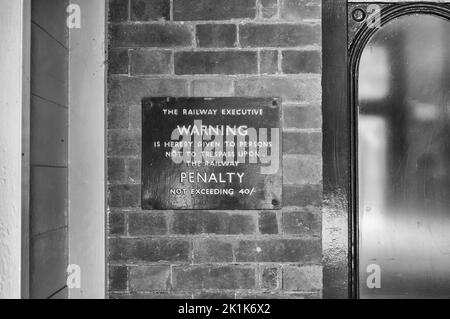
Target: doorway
{"points": [[387, 179]]}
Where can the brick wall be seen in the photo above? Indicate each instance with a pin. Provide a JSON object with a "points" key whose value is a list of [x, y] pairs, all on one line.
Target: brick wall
{"points": [[268, 48]]}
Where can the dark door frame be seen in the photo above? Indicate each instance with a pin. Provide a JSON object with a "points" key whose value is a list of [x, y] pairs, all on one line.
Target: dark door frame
{"points": [[344, 38]]}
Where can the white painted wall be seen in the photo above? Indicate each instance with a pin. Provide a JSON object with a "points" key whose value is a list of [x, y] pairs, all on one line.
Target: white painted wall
{"points": [[14, 17], [87, 149]]}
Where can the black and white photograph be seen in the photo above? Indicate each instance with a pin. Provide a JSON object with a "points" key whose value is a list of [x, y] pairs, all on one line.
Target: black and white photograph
{"points": [[227, 158]]}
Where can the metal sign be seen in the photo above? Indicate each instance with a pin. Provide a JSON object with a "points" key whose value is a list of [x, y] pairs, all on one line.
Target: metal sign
{"points": [[211, 153]]}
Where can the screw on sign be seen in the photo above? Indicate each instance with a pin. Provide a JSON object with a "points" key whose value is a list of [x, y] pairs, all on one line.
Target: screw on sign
{"points": [[372, 16]]}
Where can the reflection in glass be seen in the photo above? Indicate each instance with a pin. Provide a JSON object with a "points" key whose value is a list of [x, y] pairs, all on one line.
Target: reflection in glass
{"points": [[404, 160]]}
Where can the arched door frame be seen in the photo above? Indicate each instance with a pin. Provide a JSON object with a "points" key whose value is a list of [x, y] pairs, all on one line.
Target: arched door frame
{"points": [[343, 42]]}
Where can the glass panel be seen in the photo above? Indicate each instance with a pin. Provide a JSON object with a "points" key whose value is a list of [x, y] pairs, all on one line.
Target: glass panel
{"points": [[404, 160]]}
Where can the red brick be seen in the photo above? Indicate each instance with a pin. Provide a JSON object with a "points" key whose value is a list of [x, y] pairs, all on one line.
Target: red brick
{"points": [[150, 10], [189, 10], [213, 277], [302, 117], [116, 170], [278, 295], [131, 90], [302, 62], [225, 62], [302, 223], [279, 250], [149, 278], [301, 170], [118, 10], [290, 89], [213, 251], [133, 250], [118, 278], [268, 223], [136, 117], [147, 223], [118, 116], [150, 35], [123, 171], [133, 170], [269, 62], [215, 87], [216, 35], [116, 224], [279, 35], [118, 61], [214, 295], [145, 62], [124, 143], [269, 8], [304, 278], [269, 277], [199, 222], [150, 295], [124, 196], [302, 195], [300, 9], [306, 143]]}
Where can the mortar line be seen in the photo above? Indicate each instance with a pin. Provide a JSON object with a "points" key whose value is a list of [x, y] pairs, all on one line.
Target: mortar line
{"points": [[310, 22], [280, 62], [279, 9]]}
